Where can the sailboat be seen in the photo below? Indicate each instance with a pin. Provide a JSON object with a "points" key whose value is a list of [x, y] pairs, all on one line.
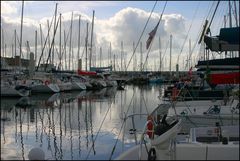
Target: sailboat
{"points": [[221, 71]]}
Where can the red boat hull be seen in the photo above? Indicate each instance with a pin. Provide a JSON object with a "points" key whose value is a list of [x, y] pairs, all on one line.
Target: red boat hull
{"points": [[81, 72], [224, 78]]}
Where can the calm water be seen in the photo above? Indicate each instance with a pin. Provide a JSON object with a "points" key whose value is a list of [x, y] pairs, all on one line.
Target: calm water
{"points": [[76, 125], [80, 125]]}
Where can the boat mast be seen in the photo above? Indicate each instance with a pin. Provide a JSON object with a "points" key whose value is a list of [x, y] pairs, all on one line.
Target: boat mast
{"points": [[54, 26], [2, 45], [121, 55], [90, 57], [100, 56], [134, 57], [189, 57], [70, 43], [65, 55], [41, 39], [86, 44], [160, 55], [15, 47], [170, 62], [141, 64], [114, 67], [60, 41], [79, 27], [110, 52], [20, 65], [35, 47], [48, 38]]}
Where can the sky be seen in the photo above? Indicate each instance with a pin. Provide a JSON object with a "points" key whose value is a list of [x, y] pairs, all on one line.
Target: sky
{"points": [[115, 21]]}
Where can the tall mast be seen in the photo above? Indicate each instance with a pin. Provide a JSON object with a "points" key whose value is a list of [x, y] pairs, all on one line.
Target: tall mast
{"points": [[114, 67], [15, 43], [230, 14], [12, 51], [86, 44], [189, 58], [141, 57], [90, 57], [49, 40], [35, 47], [170, 62], [230, 19], [65, 55], [54, 26], [20, 65], [134, 57], [121, 55], [15, 47], [79, 25], [60, 41], [160, 55], [110, 52], [2, 45], [100, 56], [70, 45], [41, 39], [5, 47]]}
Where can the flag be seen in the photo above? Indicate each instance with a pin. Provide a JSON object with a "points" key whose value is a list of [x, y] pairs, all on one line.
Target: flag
{"points": [[151, 36]]}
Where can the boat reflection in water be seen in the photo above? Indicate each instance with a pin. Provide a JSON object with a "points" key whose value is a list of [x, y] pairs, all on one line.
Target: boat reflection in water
{"points": [[76, 125]]}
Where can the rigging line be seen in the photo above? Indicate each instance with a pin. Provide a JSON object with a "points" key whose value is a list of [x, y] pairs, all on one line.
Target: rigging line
{"points": [[154, 36], [206, 17], [99, 130], [48, 34], [141, 34], [55, 30], [214, 14], [210, 11], [208, 26], [188, 32]]}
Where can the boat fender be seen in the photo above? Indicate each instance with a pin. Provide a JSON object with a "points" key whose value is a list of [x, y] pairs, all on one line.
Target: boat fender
{"points": [[47, 82], [150, 127], [152, 154]]}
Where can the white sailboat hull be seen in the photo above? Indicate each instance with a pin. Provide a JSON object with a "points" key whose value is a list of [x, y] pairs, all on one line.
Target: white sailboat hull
{"points": [[78, 86], [10, 91], [41, 88]]}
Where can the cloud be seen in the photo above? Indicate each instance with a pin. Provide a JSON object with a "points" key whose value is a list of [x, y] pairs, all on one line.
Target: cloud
{"points": [[126, 25], [8, 7]]}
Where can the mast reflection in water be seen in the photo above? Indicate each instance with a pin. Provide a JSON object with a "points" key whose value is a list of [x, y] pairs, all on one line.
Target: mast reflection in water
{"points": [[68, 125]]}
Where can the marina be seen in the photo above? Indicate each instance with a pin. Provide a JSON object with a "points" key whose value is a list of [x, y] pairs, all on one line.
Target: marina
{"points": [[96, 83]]}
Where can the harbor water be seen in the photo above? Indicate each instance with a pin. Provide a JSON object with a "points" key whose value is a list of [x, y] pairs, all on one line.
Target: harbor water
{"points": [[78, 125]]}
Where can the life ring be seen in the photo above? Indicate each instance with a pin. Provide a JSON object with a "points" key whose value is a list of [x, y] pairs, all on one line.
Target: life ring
{"points": [[152, 154], [47, 82], [150, 127], [175, 92]]}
